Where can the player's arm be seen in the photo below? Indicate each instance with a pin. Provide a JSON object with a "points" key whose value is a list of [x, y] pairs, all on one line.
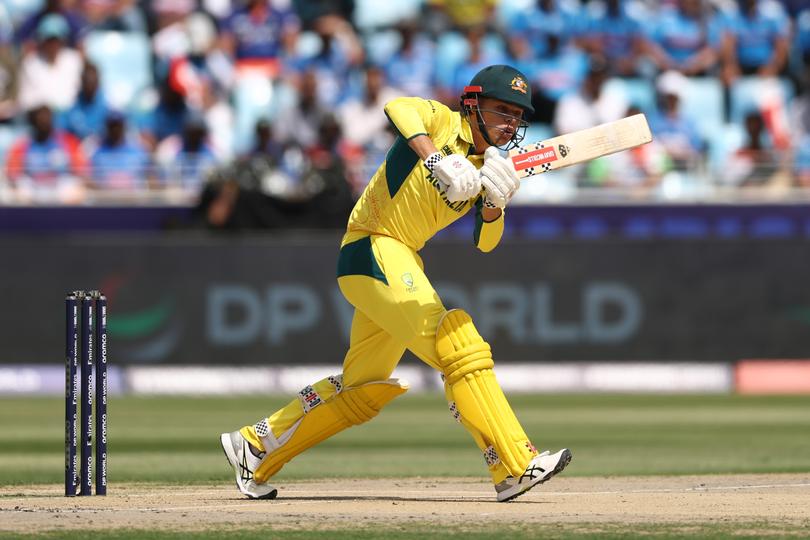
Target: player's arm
{"points": [[415, 119], [413, 116], [488, 230], [500, 182]]}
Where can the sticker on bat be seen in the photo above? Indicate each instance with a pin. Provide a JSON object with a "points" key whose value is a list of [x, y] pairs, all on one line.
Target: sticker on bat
{"points": [[534, 158], [563, 150]]}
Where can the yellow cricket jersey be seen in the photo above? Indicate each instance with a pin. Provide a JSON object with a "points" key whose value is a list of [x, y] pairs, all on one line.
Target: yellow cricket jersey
{"points": [[467, 12], [403, 200]]}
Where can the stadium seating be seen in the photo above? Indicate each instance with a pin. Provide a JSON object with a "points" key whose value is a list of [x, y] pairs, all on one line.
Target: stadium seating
{"points": [[639, 92], [124, 62], [703, 104], [372, 14], [749, 93]]}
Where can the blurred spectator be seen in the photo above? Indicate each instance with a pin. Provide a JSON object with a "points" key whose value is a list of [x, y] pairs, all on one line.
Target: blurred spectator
{"points": [[116, 15], [120, 163], [793, 7], [166, 119], [74, 22], [171, 36], [801, 167], [675, 133], [329, 182], [6, 26], [47, 165], [411, 68], [803, 36], [686, 39], [86, 116], [800, 109], [310, 11], [340, 53], [298, 123], [258, 34], [639, 168], [265, 143], [8, 81], [478, 58], [187, 159], [50, 74], [755, 41], [591, 105], [613, 32], [558, 71], [363, 120], [198, 63], [463, 14], [202, 77], [754, 164], [543, 19]]}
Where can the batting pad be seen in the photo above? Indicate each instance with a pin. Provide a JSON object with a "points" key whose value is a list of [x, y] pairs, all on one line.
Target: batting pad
{"points": [[320, 411], [476, 398]]}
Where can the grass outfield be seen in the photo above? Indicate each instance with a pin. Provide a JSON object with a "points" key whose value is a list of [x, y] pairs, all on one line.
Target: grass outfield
{"points": [[592, 531], [176, 439]]}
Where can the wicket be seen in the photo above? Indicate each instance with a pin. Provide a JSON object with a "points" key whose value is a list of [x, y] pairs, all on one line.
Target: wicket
{"points": [[92, 325]]}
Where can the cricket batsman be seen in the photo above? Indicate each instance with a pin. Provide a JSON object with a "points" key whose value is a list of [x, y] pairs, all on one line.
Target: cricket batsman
{"points": [[442, 165]]}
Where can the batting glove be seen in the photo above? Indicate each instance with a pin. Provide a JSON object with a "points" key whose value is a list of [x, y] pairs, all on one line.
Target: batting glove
{"points": [[458, 174], [498, 178]]}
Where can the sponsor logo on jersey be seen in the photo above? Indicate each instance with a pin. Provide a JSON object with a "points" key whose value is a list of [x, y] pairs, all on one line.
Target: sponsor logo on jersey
{"points": [[407, 279]]}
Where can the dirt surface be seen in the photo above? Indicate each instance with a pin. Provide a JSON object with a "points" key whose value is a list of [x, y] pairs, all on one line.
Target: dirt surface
{"points": [[782, 498]]}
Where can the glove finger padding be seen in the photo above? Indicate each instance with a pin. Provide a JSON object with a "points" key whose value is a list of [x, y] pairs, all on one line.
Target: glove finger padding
{"points": [[493, 192], [498, 178], [460, 177]]}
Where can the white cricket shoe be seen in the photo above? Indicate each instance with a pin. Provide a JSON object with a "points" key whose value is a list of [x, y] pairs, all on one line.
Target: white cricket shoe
{"points": [[540, 469], [244, 461]]}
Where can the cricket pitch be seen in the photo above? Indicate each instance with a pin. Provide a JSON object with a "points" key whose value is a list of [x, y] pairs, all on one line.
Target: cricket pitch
{"points": [[768, 500]]}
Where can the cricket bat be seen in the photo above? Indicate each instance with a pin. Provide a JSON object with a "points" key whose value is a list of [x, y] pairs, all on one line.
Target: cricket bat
{"points": [[579, 146]]}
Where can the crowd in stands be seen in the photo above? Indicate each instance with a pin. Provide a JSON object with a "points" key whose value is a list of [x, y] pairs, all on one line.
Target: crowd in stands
{"points": [[284, 98]]}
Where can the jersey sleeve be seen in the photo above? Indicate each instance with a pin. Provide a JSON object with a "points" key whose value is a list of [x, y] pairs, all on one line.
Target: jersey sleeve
{"points": [[414, 116], [486, 235]]}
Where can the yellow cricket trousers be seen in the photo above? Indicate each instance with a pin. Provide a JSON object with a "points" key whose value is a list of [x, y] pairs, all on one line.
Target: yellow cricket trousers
{"points": [[400, 311]]}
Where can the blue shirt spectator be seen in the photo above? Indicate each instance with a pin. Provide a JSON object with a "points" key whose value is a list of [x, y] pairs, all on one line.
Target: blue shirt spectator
{"points": [[802, 162], [410, 69], [614, 32], [543, 18], [670, 128], [86, 116], [76, 23], [339, 53], [755, 39], [47, 164], [687, 38], [478, 58], [166, 119], [803, 35], [119, 163], [561, 73], [258, 30], [187, 159]]}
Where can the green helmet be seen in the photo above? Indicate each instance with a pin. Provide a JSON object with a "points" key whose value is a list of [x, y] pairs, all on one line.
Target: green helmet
{"points": [[501, 82]]}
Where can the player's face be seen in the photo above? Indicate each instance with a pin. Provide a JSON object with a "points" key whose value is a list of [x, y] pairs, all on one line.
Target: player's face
{"points": [[501, 119]]}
